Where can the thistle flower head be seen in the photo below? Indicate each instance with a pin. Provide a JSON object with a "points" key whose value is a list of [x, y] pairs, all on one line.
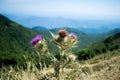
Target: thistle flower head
{"points": [[73, 35], [61, 36], [64, 40], [36, 40], [62, 33], [39, 43]]}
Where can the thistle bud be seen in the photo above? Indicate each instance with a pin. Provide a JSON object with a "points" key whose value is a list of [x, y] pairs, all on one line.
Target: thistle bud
{"points": [[62, 33], [64, 40], [62, 36]]}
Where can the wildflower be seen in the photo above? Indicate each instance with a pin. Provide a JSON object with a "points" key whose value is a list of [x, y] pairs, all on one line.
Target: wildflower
{"points": [[38, 43], [36, 40], [73, 35], [62, 33], [64, 40], [72, 39]]}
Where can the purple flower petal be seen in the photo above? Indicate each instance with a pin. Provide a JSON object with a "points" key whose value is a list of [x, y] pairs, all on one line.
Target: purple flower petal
{"points": [[73, 35], [35, 40]]}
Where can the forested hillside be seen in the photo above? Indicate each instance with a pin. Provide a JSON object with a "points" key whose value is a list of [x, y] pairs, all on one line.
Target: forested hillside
{"points": [[109, 44], [14, 40]]}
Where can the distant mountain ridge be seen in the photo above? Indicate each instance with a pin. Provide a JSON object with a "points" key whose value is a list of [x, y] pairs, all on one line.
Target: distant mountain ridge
{"points": [[94, 30], [114, 31], [39, 28], [87, 26]]}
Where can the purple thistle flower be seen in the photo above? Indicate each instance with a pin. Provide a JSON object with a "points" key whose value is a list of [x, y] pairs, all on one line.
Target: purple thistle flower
{"points": [[35, 40], [73, 35]]}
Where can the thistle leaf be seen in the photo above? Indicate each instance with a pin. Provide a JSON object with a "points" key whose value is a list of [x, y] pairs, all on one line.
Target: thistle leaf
{"points": [[52, 34]]}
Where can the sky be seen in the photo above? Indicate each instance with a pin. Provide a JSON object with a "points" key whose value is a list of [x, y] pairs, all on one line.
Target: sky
{"points": [[75, 9]]}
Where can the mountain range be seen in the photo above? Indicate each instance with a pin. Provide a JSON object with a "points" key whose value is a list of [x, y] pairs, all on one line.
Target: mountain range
{"points": [[87, 26], [15, 38]]}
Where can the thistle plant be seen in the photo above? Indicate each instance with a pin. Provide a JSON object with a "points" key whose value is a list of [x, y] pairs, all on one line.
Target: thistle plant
{"points": [[64, 41], [39, 44]]}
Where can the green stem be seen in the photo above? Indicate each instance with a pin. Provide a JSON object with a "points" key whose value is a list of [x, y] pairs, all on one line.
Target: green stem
{"points": [[59, 63]]}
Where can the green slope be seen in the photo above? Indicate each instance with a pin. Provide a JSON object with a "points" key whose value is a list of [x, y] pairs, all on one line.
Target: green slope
{"points": [[14, 39], [109, 44]]}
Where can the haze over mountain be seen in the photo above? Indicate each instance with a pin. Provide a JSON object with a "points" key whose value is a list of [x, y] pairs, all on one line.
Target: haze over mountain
{"points": [[87, 26], [89, 16]]}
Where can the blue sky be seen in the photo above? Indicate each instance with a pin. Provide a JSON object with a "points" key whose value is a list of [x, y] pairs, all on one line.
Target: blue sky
{"points": [[75, 9]]}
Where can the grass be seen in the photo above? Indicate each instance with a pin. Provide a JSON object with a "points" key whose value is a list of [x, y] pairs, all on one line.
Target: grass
{"points": [[98, 68]]}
